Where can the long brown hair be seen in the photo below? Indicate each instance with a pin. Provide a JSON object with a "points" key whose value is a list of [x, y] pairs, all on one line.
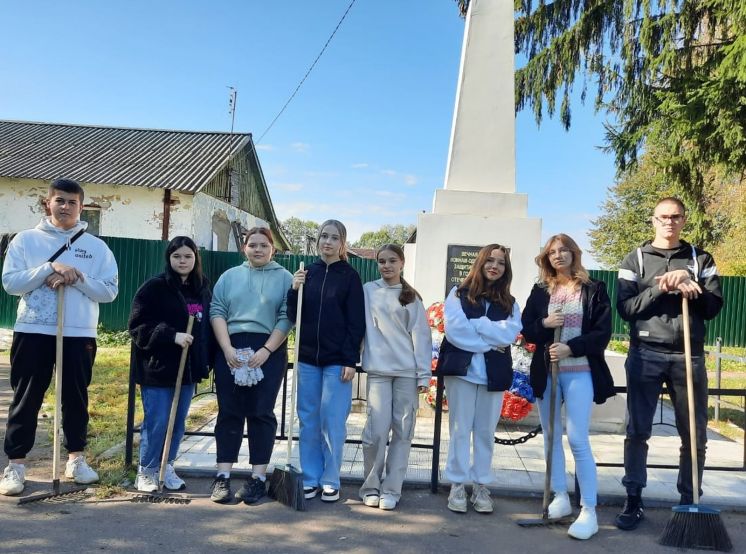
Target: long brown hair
{"points": [[408, 292], [342, 230], [266, 231], [477, 288], [548, 275]]}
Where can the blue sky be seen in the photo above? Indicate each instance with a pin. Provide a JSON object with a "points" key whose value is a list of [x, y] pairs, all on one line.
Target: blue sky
{"points": [[366, 138]]}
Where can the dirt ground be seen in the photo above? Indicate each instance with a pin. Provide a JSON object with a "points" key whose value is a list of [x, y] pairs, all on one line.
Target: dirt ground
{"points": [[421, 523]]}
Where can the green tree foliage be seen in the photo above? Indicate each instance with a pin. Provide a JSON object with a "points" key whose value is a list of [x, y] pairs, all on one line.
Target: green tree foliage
{"points": [[625, 220], [301, 235], [388, 234], [671, 71]]}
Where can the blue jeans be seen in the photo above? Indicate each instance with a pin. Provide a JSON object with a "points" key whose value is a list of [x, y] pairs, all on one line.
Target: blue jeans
{"points": [[575, 389], [324, 402], [156, 404]]}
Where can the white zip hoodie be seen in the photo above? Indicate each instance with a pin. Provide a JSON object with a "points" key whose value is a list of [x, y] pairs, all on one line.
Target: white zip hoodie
{"points": [[26, 268], [398, 341]]}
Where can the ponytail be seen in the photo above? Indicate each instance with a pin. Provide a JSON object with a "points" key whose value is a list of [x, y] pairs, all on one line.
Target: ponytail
{"points": [[408, 293]]}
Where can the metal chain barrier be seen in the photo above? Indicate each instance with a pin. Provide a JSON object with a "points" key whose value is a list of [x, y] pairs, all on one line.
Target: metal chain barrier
{"points": [[520, 440]]}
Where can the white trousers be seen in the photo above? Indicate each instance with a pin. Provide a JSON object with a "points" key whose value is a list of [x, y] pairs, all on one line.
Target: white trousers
{"points": [[392, 408], [473, 413]]}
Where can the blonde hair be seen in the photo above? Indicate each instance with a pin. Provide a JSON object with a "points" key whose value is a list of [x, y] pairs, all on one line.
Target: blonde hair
{"points": [[342, 230], [548, 275]]}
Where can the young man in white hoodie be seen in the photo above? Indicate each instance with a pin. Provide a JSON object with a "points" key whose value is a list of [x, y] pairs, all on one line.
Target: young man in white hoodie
{"points": [[87, 269]]}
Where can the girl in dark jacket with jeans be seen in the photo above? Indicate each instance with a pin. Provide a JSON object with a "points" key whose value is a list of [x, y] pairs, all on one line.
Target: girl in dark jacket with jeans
{"points": [[567, 297], [332, 331], [158, 321]]}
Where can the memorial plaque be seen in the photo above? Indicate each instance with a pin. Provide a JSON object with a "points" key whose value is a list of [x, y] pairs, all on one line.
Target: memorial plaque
{"points": [[458, 263]]}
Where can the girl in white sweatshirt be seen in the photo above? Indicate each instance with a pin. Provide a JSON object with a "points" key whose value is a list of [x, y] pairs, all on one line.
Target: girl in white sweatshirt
{"points": [[397, 353]]}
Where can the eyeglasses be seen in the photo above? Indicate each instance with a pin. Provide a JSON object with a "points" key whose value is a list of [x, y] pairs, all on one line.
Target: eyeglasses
{"points": [[676, 218]]}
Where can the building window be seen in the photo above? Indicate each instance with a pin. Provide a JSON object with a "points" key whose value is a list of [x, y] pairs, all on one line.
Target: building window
{"points": [[92, 216]]}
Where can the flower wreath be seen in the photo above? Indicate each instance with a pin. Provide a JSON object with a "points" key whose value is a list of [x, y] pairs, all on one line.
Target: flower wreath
{"points": [[518, 400], [437, 327]]}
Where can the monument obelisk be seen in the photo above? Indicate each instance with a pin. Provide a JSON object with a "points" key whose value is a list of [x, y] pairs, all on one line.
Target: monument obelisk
{"points": [[478, 204]]}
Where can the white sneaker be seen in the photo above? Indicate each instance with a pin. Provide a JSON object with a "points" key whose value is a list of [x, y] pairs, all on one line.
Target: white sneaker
{"points": [[14, 477], [172, 481], [560, 506], [146, 482], [585, 526], [371, 500], [387, 502], [457, 498], [78, 470], [480, 498]]}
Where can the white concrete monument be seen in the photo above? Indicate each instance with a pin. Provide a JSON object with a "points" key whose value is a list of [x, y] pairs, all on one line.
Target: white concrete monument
{"points": [[478, 204]]}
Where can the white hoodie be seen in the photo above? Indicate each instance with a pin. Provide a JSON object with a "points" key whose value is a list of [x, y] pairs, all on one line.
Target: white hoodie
{"points": [[398, 341], [26, 268]]}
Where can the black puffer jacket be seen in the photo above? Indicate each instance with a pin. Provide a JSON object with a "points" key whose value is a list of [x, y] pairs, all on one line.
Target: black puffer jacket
{"points": [[595, 336], [159, 311]]}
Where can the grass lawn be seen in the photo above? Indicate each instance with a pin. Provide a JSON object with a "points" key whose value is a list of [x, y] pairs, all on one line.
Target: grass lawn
{"points": [[107, 406]]}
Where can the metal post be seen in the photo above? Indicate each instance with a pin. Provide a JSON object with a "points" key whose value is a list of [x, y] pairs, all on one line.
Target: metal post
{"points": [[436, 436], [130, 432], [718, 351]]}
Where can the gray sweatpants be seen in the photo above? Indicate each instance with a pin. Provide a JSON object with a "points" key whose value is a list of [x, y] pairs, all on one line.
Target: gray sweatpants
{"points": [[392, 407]]}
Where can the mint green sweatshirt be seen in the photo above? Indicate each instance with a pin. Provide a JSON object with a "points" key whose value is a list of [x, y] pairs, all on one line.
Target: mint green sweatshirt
{"points": [[253, 299]]}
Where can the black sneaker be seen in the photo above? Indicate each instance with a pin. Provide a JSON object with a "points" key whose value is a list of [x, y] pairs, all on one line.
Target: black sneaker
{"points": [[632, 514], [221, 490], [251, 491], [310, 492], [329, 494]]}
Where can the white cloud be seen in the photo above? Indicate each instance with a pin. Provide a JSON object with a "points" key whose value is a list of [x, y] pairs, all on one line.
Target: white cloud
{"points": [[389, 172], [359, 166], [302, 147], [264, 147], [410, 180], [389, 194], [290, 187]]}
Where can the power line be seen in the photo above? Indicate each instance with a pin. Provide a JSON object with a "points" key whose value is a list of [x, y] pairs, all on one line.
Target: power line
{"points": [[303, 80]]}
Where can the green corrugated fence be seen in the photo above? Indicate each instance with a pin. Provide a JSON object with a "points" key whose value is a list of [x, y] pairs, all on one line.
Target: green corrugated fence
{"points": [[140, 259]]}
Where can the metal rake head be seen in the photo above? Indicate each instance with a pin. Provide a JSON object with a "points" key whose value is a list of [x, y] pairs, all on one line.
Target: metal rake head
{"points": [[154, 499]]}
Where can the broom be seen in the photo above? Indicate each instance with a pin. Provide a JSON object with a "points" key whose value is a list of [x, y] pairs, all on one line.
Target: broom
{"points": [[286, 482], [694, 526], [544, 519]]}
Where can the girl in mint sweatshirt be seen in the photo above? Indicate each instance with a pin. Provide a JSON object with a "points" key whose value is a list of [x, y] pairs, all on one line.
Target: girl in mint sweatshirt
{"points": [[249, 310]]}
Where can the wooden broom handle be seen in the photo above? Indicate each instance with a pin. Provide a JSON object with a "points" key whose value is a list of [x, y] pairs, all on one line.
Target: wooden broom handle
{"points": [[296, 363], [690, 398]]}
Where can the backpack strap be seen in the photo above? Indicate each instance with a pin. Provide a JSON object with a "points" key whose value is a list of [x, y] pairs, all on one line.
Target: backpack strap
{"points": [[66, 246]]}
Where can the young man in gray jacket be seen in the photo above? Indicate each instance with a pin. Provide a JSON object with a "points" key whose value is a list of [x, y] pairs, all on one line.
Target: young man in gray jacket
{"points": [[56, 253], [652, 281]]}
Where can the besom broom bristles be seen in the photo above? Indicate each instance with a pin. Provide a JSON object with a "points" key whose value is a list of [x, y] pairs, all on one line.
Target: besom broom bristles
{"points": [[692, 525], [286, 482]]}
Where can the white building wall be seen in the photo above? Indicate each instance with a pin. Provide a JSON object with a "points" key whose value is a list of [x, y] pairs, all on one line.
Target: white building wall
{"points": [[126, 211]]}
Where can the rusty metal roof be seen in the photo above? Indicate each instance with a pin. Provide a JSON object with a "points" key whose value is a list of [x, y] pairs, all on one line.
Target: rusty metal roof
{"points": [[177, 160]]}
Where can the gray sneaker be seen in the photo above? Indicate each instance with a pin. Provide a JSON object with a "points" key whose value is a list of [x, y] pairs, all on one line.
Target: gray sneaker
{"points": [[13, 481], [172, 481], [78, 470], [480, 498], [457, 498], [146, 482], [221, 490]]}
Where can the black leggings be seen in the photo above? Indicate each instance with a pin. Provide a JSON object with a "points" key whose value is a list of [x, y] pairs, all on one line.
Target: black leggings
{"points": [[254, 405], [32, 359]]}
